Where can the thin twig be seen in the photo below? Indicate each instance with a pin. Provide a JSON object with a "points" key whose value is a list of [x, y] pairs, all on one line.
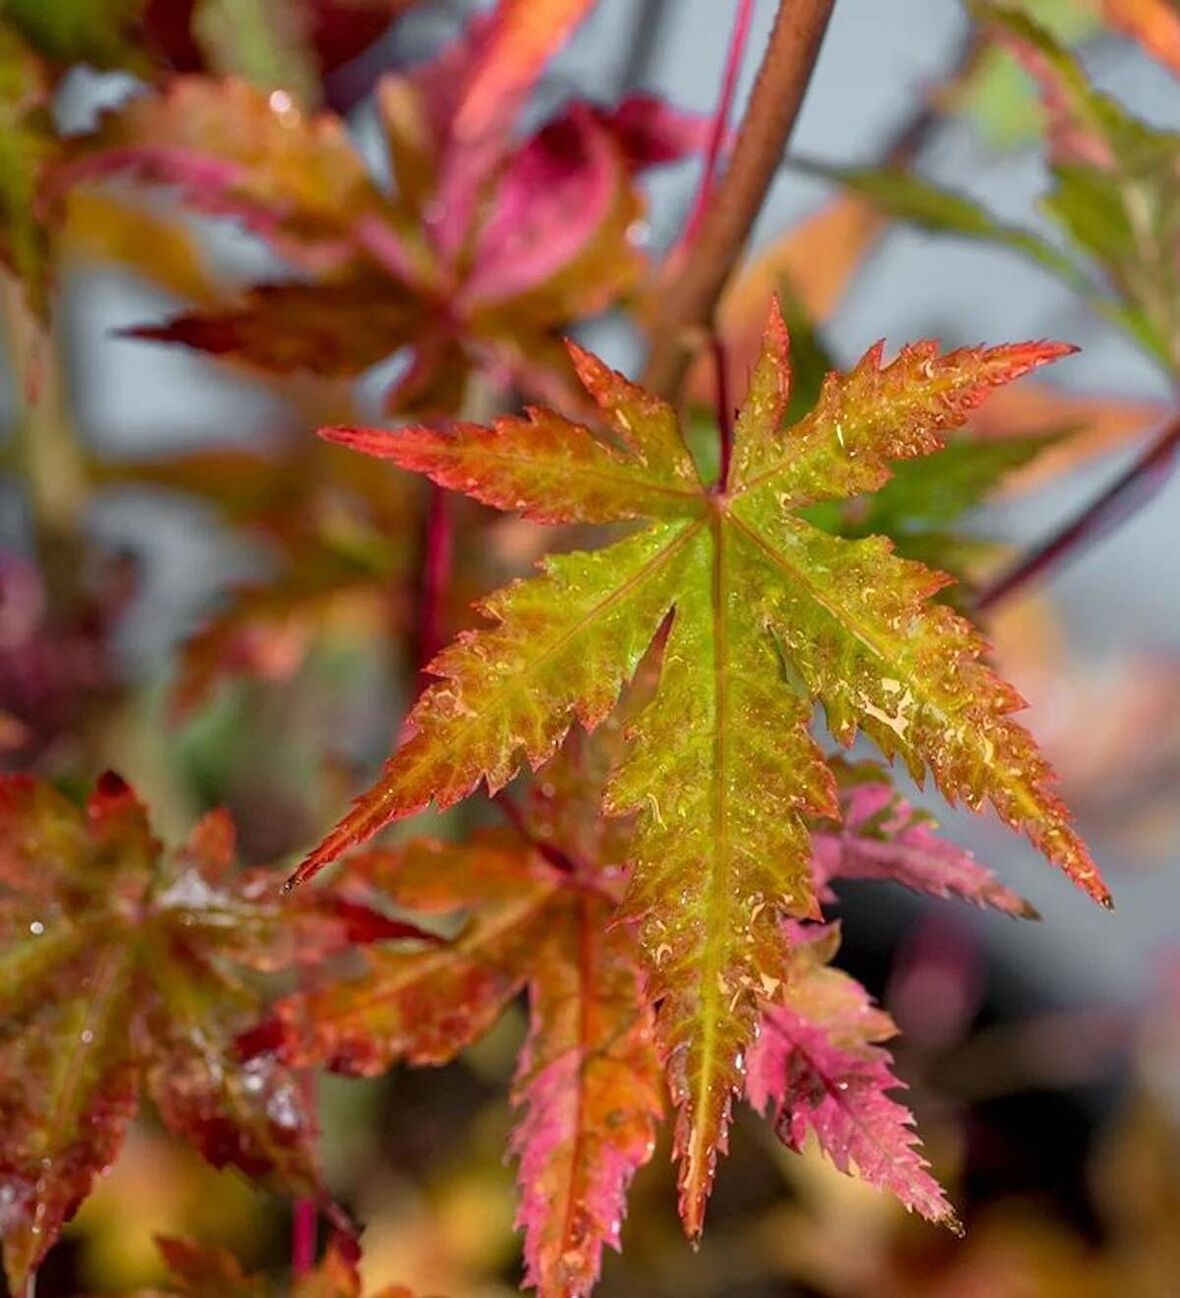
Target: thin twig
{"points": [[739, 37], [1115, 505], [437, 559], [724, 409], [689, 299]]}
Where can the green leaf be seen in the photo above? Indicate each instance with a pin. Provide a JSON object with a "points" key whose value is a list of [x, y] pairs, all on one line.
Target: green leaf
{"points": [[1117, 190]]}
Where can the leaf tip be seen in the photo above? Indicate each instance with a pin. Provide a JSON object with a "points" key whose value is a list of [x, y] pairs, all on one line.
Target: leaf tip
{"points": [[110, 784], [378, 442], [592, 372], [776, 337]]}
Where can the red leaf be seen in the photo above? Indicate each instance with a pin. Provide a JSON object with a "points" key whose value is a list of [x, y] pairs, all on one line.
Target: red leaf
{"points": [[816, 1069], [882, 837], [589, 1082]]}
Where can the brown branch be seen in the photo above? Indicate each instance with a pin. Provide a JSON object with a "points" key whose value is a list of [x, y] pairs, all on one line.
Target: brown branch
{"points": [[690, 297], [1129, 491]]}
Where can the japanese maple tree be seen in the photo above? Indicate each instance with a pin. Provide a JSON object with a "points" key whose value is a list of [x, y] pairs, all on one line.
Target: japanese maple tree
{"points": [[632, 760]]}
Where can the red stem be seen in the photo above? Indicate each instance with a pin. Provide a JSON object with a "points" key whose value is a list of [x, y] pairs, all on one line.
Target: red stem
{"points": [[304, 1224], [436, 575], [742, 19], [724, 411], [1115, 505]]}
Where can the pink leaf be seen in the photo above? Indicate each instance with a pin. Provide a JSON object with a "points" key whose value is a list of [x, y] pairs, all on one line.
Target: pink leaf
{"points": [[652, 132], [478, 87], [883, 837], [815, 1067], [555, 195], [590, 1087]]}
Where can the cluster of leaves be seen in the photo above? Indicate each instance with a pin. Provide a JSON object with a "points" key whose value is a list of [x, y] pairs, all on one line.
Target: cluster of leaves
{"points": [[658, 892], [1114, 195]]}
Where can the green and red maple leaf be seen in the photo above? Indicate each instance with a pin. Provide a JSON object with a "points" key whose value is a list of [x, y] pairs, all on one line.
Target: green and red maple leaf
{"points": [[126, 970], [766, 616]]}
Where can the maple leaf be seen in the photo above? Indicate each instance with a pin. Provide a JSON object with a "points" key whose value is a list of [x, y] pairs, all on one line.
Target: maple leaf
{"points": [[540, 904], [769, 615], [588, 1082], [1155, 24], [880, 836], [816, 1067], [487, 245], [125, 972]]}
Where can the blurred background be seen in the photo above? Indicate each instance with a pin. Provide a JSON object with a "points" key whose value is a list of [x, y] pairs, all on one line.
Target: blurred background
{"points": [[1044, 1058]]}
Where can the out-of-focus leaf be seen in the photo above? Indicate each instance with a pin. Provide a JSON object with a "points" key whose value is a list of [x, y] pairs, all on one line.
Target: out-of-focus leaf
{"points": [[994, 94], [919, 505], [1117, 184], [80, 31], [265, 41], [907, 197], [27, 145], [101, 227], [1155, 24], [486, 248], [266, 632], [124, 972], [344, 538], [1087, 426], [1112, 728], [233, 150], [275, 43], [501, 58], [289, 328]]}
